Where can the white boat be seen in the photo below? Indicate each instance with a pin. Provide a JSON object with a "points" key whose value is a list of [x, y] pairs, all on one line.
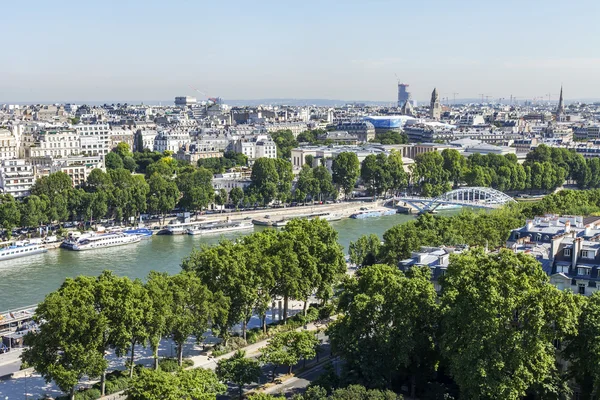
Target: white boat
{"points": [[20, 249], [216, 228], [179, 228], [95, 241]]}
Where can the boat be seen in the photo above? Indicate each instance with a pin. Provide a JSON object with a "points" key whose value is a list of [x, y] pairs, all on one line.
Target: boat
{"points": [[144, 233], [179, 228], [100, 241], [216, 228], [372, 213], [20, 249]]}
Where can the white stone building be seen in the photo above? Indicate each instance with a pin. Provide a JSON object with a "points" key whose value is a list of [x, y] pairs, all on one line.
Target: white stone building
{"points": [[58, 142], [94, 138], [8, 145], [16, 177]]}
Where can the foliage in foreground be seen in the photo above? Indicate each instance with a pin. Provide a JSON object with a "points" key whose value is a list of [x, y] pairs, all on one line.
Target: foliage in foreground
{"points": [[194, 384]]}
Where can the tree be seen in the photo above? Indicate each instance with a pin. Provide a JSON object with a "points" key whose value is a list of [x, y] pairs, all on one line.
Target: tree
{"points": [[32, 211], [307, 185], [285, 176], [389, 326], [196, 384], [221, 197], [113, 161], [265, 179], [346, 170], [10, 214], [163, 194], [375, 173], [236, 196], [323, 177], [159, 313], [287, 348], [54, 184], [65, 347], [455, 164], [196, 188], [365, 250], [499, 320], [192, 308], [395, 168], [582, 352], [123, 150], [428, 172], [239, 370], [285, 142], [390, 137], [129, 164]]}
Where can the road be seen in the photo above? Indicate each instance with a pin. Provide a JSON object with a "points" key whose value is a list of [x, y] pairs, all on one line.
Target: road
{"points": [[10, 362], [300, 382]]}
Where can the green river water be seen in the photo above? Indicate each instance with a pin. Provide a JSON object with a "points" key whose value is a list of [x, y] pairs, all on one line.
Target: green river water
{"points": [[27, 280]]}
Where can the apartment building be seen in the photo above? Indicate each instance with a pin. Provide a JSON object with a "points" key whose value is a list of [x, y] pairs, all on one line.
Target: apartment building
{"points": [[58, 142], [9, 147], [16, 177], [94, 138]]}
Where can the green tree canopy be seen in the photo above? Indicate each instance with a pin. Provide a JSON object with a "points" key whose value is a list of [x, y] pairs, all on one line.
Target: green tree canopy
{"points": [[500, 318], [346, 170]]}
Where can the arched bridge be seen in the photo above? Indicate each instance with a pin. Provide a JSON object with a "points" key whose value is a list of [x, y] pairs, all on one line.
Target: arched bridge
{"points": [[480, 197]]}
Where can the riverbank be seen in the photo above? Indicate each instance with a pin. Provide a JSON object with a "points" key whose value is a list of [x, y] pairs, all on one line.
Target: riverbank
{"points": [[343, 210]]}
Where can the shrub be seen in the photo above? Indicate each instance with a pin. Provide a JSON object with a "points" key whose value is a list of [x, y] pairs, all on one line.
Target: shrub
{"points": [[89, 394], [168, 364]]}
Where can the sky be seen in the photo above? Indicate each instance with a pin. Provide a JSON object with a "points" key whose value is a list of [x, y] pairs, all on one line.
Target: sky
{"points": [[145, 50]]}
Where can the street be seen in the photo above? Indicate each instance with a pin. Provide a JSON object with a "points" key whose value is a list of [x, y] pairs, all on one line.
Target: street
{"points": [[10, 362]]}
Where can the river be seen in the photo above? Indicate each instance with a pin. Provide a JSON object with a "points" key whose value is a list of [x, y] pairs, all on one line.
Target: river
{"points": [[27, 280]]}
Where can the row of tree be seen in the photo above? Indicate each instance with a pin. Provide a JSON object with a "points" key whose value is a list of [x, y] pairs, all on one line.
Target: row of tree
{"points": [[87, 317], [302, 259], [545, 168], [220, 287]]}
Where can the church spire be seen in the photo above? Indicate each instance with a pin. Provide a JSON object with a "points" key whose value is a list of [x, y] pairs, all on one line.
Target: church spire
{"points": [[560, 110]]}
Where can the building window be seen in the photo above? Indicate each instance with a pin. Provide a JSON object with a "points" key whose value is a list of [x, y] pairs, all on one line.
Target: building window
{"points": [[567, 252], [562, 269], [587, 254], [583, 271], [581, 288]]}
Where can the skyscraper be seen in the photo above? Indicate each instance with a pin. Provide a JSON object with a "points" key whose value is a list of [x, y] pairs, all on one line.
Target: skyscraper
{"points": [[560, 110], [403, 94], [435, 110]]}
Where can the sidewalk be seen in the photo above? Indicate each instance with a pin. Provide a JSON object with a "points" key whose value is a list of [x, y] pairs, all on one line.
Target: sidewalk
{"points": [[211, 362]]}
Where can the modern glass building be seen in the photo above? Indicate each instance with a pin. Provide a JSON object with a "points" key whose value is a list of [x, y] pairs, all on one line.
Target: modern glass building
{"points": [[384, 123]]}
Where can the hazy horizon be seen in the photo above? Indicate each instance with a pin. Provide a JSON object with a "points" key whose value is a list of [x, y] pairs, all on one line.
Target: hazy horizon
{"points": [[150, 50]]}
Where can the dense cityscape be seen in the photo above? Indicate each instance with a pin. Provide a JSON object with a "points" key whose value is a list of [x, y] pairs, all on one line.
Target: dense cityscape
{"points": [[307, 200]]}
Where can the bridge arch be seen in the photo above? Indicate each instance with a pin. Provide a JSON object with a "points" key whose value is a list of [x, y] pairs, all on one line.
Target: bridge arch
{"points": [[480, 197]]}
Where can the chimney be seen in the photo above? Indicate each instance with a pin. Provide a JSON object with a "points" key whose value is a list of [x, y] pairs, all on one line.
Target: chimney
{"points": [[529, 224], [575, 252], [555, 244], [588, 231], [567, 226]]}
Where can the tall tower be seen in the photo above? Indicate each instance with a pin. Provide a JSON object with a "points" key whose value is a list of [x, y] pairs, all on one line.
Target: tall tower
{"points": [[435, 108], [403, 94], [560, 110]]}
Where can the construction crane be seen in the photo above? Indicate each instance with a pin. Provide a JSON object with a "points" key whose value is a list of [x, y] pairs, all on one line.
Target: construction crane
{"points": [[454, 95], [214, 100]]}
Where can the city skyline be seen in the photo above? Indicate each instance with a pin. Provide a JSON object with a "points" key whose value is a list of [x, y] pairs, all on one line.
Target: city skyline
{"points": [[346, 51]]}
